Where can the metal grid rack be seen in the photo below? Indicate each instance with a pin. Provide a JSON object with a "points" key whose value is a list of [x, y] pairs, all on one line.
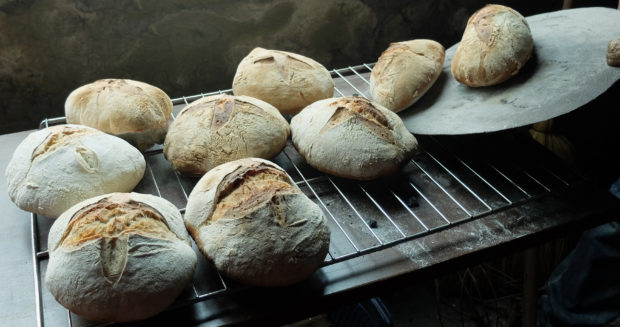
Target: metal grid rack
{"points": [[451, 181]]}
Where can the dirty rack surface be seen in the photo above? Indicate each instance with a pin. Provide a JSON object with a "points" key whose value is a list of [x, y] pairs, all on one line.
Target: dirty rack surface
{"points": [[458, 201]]}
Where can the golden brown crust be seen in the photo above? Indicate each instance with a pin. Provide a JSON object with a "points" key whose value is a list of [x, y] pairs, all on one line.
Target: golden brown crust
{"points": [[496, 43]]}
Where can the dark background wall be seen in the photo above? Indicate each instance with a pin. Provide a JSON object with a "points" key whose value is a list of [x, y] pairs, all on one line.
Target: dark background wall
{"points": [[50, 47]]}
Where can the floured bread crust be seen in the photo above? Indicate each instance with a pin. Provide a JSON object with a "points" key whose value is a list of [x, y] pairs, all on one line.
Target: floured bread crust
{"points": [[133, 110], [222, 128], [286, 80], [255, 224], [57, 167], [119, 257], [404, 72], [352, 137], [496, 43]]}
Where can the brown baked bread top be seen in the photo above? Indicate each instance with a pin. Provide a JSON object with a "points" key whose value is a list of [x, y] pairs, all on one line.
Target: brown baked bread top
{"points": [[135, 111], [404, 72], [119, 257], [286, 80], [221, 128], [496, 43], [256, 226]]}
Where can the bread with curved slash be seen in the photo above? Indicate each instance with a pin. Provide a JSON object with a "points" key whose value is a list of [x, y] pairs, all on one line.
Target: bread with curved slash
{"points": [[286, 80], [135, 111], [496, 43], [352, 137], [221, 128], [119, 257], [57, 167], [250, 219]]}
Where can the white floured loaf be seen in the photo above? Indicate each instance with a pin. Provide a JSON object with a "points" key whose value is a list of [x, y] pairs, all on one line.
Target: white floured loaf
{"points": [[352, 137], [135, 111], [119, 257], [404, 72], [286, 80], [221, 128], [251, 220], [496, 43], [57, 167]]}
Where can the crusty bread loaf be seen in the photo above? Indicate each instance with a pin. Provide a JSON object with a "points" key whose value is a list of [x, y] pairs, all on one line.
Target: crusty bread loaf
{"points": [[404, 72], [286, 80], [119, 257], [135, 111], [613, 53], [222, 128], [496, 43], [57, 167], [352, 137], [257, 227]]}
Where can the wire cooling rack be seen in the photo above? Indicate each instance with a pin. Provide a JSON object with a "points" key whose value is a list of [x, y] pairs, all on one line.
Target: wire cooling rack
{"points": [[451, 181]]}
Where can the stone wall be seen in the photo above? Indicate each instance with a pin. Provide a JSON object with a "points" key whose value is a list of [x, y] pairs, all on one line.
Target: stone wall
{"points": [[50, 47]]}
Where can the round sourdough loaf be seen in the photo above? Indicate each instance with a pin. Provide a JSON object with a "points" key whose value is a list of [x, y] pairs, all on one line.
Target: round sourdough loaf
{"points": [[119, 257], [251, 220], [352, 137], [221, 128], [286, 80], [496, 43], [404, 72], [57, 167], [135, 111]]}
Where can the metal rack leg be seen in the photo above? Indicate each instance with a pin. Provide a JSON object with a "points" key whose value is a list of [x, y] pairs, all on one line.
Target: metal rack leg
{"points": [[529, 288]]}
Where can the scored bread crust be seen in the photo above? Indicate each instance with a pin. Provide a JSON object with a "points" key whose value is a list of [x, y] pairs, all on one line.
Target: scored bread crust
{"points": [[257, 227], [496, 43], [286, 80], [352, 137], [135, 111], [405, 71], [119, 257], [57, 167], [221, 128]]}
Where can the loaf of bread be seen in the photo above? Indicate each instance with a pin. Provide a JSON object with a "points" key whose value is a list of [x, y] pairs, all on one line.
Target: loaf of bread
{"points": [[613, 53], [286, 80], [57, 167], [251, 220], [135, 111], [496, 43], [352, 137], [221, 128], [119, 257], [404, 72]]}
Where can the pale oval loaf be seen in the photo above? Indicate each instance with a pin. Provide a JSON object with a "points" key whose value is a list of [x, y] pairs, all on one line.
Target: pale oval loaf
{"points": [[496, 43], [221, 128], [286, 80], [57, 167], [352, 137], [119, 257], [404, 72], [251, 220], [135, 111]]}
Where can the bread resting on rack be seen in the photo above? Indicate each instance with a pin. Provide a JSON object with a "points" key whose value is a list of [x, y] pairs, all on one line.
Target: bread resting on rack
{"points": [[257, 227], [352, 137], [54, 168], [119, 257], [404, 72], [221, 128], [286, 80], [135, 111]]}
